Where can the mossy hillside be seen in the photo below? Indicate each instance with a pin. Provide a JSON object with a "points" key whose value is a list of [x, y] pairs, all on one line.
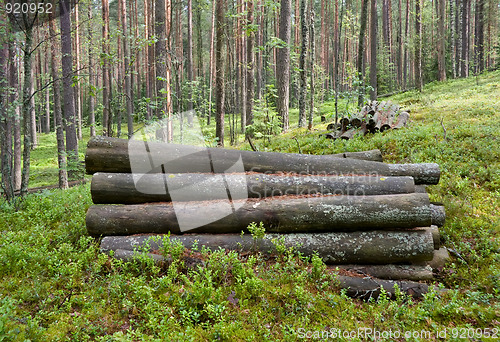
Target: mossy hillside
{"points": [[55, 285]]}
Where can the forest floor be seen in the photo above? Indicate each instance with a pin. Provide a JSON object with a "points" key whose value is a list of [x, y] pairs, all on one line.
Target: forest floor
{"points": [[56, 285]]}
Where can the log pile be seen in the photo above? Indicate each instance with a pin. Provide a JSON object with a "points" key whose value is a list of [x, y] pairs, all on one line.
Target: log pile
{"points": [[373, 117], [362, 216]]}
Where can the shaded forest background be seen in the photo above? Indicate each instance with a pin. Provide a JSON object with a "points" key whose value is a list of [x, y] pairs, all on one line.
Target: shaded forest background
{"points": [[235, 65]]}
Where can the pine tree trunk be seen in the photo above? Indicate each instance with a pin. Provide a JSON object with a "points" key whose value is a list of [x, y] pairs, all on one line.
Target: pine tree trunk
{"points": [[92, 81], [106, 82], [189, 59], [219, 73], [441, 41], [6, 185], [302, 63], [464, 62], [418, 45], [250, 65], [56, 86], [373, 48], [479, 46], [283, 67], [77, 89], [14, 97], [361, 47], [311, 66], [128, 85], [26, 107], [68, 94]]}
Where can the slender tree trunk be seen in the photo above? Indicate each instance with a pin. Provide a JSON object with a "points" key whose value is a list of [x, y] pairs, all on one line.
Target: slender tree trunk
{"points": [[441, 41], [464, 62], [373, 48], [479, 46], [400, 45], [219, 73], [92, 82], [118, 68], [56, 86], [13, 100], [302, 63], [34, 135], [163, 10], [311, 66], [212, 62], [26, 107], [189, 59], [283, 67], [128, 70], [361, 53], [250, 76], [77, 89], [7, 184], [418, 45], [68, 94], [106, 82]]}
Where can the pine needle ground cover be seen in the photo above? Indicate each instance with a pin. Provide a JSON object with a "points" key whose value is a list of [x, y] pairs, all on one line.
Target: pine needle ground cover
{"points": [[55, 285]]}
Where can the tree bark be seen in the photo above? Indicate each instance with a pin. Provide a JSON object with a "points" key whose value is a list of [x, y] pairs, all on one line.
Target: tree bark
{"points": [[26, 105], [92, 80], [13, 99], [68, 94], [189, 60], [6, 119], [373, 48], [116, 155], [311, 67], [441, 41], [162, 32], [284, 214], [106, 82], [418, 45], [56, 85], [126, 54], [76, 87], [250, 76], [390, 271], [219, 72], [126, 188], [361, 47], [464, 62], [283, 67], [304, 23], [373, 247]]}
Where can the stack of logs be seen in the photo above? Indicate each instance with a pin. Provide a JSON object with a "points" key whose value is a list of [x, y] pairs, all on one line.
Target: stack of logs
{"points": [[353, 210], [374, 117]]}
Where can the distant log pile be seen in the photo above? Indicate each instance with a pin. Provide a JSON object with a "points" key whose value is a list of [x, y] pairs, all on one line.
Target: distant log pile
{"points": [[374, 117], [366, 216]]}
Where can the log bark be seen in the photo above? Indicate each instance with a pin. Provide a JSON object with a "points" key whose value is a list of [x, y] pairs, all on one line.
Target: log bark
{"points": [[348, 134], [375, 247], [401, 121], [125, 188], [373, 155], [390, 271], [116, 155], [368, 287], [279, 215]]}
